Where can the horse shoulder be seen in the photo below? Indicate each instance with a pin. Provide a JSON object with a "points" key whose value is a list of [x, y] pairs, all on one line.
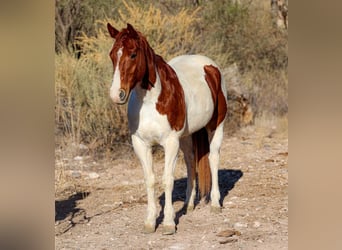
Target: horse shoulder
{"points": [[171, 100]]}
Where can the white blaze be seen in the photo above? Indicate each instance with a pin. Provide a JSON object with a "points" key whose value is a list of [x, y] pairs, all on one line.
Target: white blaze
{"points": [[116, 84]]}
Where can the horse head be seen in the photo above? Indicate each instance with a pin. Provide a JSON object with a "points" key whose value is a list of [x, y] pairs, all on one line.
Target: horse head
{"points": [[133, 63]]}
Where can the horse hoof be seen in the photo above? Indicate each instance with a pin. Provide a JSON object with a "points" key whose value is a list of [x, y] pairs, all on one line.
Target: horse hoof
{"points": [[215, 210], [148, 229], [189, 209], [168, 230]]}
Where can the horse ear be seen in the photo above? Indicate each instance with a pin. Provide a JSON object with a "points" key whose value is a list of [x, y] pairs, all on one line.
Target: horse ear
{"points": [[131, 30], [112, 31]]}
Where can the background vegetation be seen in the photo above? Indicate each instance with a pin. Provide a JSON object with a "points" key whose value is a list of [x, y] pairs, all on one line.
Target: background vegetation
{"points": [[230, 32]]}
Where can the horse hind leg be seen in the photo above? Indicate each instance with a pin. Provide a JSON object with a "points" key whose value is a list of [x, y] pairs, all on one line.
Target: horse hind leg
{"points": [[187, 149], [215, 128], [215, 138]]}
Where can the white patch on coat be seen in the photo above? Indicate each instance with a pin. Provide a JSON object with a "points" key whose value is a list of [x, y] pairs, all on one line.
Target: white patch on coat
{"points": [[143, 118], [198, 98]]}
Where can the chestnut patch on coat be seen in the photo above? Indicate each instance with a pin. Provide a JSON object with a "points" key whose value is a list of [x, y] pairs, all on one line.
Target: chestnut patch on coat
{"points": [[213, 78], [171, 100]]}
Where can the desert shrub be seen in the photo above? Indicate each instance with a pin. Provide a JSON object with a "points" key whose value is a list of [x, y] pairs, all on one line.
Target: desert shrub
{"points": [[228, 31], [169, 35], [267, 92], [84, 111], [242, 33], [75, 16], [245, 33]]}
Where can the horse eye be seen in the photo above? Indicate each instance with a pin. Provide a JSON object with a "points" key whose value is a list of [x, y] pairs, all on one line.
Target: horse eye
{"points": [[133, 55]]}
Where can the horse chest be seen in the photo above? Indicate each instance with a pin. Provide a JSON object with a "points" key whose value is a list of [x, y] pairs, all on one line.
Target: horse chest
{"points": [[147, 123]]}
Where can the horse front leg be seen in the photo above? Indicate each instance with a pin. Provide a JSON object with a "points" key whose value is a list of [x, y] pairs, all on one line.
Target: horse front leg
{"points": [[144, 153], [171, 147]]}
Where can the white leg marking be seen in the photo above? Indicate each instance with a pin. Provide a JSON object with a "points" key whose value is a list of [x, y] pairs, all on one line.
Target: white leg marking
{"points": [[116, 84], [144, 153], [214, 159], [171, 147]]}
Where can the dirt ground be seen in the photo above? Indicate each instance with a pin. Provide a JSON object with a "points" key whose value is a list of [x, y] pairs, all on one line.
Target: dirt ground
{"points": [[101, 204]]}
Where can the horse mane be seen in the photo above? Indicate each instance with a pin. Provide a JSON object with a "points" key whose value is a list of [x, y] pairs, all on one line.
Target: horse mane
{"points": [[150, 77]]}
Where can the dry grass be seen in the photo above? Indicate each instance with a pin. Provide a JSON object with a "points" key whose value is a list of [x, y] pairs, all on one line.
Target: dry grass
{"points": [[169, 35], [268, 91], [244, 34], [227, 32], [83, 109]]}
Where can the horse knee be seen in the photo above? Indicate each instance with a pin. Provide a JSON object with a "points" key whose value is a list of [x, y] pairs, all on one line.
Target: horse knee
{"points": [[168, 182], [214, 158], [150, 181]]}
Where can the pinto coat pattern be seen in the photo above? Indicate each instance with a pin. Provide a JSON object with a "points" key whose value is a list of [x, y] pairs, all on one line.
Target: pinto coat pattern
{"points": [[179, 105]]}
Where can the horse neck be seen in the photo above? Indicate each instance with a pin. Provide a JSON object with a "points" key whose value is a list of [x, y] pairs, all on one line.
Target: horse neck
{"points": [[163, 68], [151, 95]]}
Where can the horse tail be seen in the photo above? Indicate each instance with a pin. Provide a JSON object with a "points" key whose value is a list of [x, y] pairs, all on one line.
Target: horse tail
{"points": [[200, 143]]}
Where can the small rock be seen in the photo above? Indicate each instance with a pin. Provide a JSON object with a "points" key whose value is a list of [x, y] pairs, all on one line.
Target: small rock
{"points": [[240, 225], [82, 146], [76, 174], [269, 160], [93, 175], [229, 240], [256, 224], [228, 233], [78, 158], [177, 246]]}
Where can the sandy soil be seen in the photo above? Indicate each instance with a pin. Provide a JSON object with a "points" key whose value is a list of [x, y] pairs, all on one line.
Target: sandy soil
{"points": [[101, 204]]}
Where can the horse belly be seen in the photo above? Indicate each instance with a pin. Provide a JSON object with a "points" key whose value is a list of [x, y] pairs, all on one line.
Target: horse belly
{"points": [[199, 107]]}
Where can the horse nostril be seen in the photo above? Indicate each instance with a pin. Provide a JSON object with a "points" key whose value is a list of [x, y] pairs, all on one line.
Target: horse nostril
{"points": [[122, 94]]}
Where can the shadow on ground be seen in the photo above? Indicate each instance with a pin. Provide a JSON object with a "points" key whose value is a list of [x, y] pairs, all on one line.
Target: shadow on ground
{"points": [[67, 207], [67, 211], [227, 179]]}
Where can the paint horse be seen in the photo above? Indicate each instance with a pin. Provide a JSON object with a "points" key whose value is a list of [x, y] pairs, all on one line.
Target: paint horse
{"points": [[178, 105]]}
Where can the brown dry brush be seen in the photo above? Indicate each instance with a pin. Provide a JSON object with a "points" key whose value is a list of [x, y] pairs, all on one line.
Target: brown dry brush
{"points": [[227, 32], [84, 112]]}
